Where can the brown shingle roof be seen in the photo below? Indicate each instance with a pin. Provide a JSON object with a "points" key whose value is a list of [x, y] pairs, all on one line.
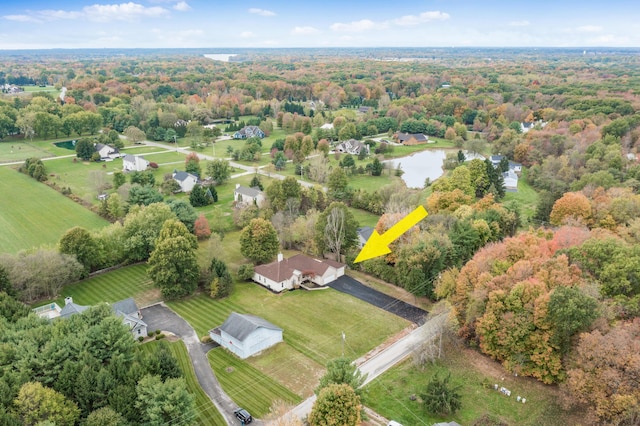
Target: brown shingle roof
{"points": [[280, 271]]}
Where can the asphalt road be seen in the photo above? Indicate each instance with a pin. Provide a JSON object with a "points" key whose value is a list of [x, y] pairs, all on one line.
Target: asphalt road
{"points": [[397, 307], [160, 317]]}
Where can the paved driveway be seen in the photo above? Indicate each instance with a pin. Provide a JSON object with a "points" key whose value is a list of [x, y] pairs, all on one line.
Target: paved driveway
{"points": [[160, 317], [349, 285]]}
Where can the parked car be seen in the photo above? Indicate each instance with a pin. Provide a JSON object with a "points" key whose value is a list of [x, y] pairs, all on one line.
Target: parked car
{"points": [[243, 415]]}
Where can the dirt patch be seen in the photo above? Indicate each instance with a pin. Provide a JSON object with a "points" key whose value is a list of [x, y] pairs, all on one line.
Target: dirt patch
{"points": [[391, 290], [148, 297]]}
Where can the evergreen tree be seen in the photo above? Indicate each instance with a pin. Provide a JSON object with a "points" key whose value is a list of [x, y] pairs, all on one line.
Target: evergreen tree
{"points": [[440, 397]]}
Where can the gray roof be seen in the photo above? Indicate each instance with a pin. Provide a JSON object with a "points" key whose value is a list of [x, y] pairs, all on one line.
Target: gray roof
{"points": [[251, 192], [241, 326], [72, 309], [182, 176], [365, 232], [129, 157], [126, 306]]}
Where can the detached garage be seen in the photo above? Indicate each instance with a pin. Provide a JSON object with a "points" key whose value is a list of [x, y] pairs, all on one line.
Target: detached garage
{"points": [[246, 335]]}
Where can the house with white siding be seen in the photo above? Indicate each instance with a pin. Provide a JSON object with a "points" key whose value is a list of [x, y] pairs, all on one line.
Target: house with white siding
{"points": [[134, 163], [246, 335], [186, 180], [287, 274], [244, 196]]}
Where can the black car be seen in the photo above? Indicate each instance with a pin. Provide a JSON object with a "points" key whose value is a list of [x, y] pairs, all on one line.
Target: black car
{"points": [[243, 415]]}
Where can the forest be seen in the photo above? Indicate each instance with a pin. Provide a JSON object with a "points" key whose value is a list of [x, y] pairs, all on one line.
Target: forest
{"points": [[550, 289]]}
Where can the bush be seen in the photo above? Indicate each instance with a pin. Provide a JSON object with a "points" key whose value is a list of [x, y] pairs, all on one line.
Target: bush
{"points": [[153, 165], [160, 336], [245, 272], [158, 331], [150, 334], [140, 339], [206, 339]]}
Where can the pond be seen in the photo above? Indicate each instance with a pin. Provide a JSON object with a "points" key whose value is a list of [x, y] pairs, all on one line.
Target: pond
{"points": [[66, 145], [419, 166]]}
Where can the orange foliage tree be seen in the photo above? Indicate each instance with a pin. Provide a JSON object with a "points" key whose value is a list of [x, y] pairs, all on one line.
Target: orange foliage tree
{"points": [[572, 205]]}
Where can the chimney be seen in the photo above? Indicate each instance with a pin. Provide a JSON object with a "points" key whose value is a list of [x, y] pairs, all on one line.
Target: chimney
{"points": [[280, 257], [68, 300], [237, 185]]}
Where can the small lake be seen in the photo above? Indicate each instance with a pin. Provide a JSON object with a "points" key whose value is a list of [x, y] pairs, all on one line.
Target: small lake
{"points": [[419, 166], [66, 145], [224, 57]]}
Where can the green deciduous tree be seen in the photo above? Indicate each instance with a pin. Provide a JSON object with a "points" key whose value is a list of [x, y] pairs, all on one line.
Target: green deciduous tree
{"points": [[220, 279], [79, 242], [259, 241], [337, 404], [173, 264], [85, 148], [105, 416], [184, 211], [141, 229], [219, 170], [336, 230], [36, 403], [134, 134], [570, 310]]}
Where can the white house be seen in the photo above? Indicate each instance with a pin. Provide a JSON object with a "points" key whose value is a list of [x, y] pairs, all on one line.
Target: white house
{"points": [[246, 335], [134, 163], [186, 180], [510, 181], [327, 126], [352, 146], [287, 274], [245, 196], [107, 153]]}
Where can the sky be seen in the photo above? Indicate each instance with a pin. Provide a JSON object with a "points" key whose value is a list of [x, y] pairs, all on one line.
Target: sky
{"points": [[38, 24]]}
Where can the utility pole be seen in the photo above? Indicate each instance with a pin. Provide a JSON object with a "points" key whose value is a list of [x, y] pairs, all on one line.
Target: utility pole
{"points": [[343, 339]]}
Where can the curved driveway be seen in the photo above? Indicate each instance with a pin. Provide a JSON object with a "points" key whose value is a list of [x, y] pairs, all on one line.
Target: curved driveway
{"points": [[160, 317], [355, 288]]}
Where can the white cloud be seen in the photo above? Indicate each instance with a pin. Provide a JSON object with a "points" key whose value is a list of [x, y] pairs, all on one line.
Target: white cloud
{"points": [[261, 12], [122, 12], [412, 20], [247, 34], [304, 31], [20, 18], [355, 26], [182, 6], [54, 15], [519, 23], [589, 29]]}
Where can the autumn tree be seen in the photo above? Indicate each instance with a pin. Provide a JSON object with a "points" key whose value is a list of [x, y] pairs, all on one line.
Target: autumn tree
{"points": [[605, 370], [259, 241], [192, 164], [134, 134], [173, 264], [337, 404], [572, 205], [201, 227]]}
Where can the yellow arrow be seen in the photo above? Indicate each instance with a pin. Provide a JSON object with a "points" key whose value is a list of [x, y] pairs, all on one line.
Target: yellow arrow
{"points": [[378, 245]]}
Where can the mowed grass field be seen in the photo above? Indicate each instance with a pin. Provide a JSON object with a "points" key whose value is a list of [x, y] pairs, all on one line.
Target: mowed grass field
{"points": [[246, 385], [33, 215], [206, 412], [130, 281]]}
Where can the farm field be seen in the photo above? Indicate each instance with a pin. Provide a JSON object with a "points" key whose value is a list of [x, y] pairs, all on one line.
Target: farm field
{"points": [[51, 214], [246, 385], [206, 412], [391, 394]]}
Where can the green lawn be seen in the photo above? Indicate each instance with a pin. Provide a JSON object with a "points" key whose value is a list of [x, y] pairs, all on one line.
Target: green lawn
{"points": [[390, 395], [34, 215], [364, 218], [20, 150], [526, 197], [119, 284], [246, 385], [206, 412]]}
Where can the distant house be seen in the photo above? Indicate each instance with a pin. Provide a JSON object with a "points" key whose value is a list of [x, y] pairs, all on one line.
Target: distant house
{"points": [[186, 180], [249, 132], [446, 85], [363, 235], [510, 181], [351, 146], [126, 309], [496, 159], [525, 126], [287, 274], [246, 335], [107, 152], [327, 126], [365, 109], [516, 167], [134, 163], [513, 166], [181, 123], [246, 196], [411, 138]]}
